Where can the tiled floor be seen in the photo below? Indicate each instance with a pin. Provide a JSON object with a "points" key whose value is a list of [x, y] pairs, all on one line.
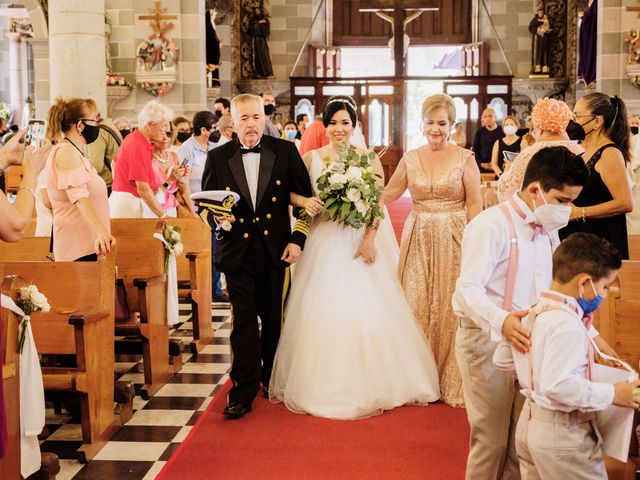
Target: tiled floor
{"points": [[141, 447]]}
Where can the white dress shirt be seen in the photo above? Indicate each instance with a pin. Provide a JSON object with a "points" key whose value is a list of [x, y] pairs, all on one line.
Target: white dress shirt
{"points": [[480, 288], [251, 162], [559, 360]]}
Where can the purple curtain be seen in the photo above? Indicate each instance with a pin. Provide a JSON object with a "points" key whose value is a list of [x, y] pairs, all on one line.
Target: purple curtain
{"points": [[587, 47]]}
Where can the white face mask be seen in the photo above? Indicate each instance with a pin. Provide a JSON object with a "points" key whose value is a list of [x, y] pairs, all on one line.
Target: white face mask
{"points": [[552, 216], [510, 130]]}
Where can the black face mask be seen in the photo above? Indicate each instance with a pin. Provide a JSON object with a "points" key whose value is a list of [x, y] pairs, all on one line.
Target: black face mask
{"points": [[269, 110], [183, 136], [124, 132], [218, 113], [576, 130], [215, 136], [90, 133], [634, 130]]}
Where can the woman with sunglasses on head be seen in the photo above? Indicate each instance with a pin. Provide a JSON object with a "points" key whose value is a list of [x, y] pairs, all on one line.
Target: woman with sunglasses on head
{"points": [[601, 206], [174, 189], [77, 194], [134, 181]]}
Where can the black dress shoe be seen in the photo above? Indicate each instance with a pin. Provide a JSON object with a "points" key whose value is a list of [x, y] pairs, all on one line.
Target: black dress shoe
{"points": [[265, 392], [236, 410]]}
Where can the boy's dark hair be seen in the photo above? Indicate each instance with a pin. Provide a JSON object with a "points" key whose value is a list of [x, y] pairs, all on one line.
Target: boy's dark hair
{"points": [[555, 167], [203, 119], [224, 101], [585, 253], [300, 117]]}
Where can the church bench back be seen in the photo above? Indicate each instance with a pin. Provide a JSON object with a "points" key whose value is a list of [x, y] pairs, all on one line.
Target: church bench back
{"points": [[29, 249], [634, 247], [10, 464]]}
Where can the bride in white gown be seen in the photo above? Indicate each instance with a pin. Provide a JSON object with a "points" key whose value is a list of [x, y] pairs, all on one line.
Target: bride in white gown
{"points": [[350, 346]]}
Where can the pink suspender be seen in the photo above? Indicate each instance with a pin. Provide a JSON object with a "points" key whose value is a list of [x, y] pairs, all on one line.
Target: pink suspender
{"points": [[512, 268]]}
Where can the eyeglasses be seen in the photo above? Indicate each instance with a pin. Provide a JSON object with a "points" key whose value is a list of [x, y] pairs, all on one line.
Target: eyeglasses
{"points": [[168, 133], [92, 121]]}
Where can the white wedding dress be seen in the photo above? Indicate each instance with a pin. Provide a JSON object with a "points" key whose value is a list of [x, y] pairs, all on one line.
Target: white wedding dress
{"points": [[350, 346]]}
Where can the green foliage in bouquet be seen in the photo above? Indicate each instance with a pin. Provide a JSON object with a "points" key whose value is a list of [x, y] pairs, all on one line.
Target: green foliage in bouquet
{"points": [[349, 189]]}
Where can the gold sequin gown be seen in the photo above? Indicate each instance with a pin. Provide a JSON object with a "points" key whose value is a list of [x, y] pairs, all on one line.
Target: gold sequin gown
{"points": [[430, 259]]}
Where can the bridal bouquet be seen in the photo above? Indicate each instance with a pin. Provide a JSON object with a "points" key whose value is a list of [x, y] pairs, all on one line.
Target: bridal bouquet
{"points": [[349, 189], [30, 300]]}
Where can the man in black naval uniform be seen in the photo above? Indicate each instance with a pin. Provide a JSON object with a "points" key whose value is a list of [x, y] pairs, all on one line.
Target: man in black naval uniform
{"points": [[256, 253]]}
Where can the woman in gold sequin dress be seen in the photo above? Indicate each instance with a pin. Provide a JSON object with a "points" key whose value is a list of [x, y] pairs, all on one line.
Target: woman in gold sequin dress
{"points": [[444, 182]]}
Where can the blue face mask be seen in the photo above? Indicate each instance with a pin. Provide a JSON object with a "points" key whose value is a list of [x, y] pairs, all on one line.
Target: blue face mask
{"points": [[590, 306], [290, 134]]}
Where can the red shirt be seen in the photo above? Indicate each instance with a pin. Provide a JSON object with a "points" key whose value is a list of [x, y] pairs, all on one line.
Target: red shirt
{"points": [[313, 137], [133, 162]]}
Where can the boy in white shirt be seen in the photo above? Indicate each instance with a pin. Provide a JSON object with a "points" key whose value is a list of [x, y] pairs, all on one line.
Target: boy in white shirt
{"points": [[506, 264], [557, 436]]}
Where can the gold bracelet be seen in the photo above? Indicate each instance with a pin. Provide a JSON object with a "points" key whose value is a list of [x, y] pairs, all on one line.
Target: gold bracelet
{"points": [[29, 189], [584, 214]]}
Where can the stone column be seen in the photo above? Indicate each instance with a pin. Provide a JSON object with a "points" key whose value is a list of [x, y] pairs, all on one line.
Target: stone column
{"points": [[76, 50], [15, 75]]}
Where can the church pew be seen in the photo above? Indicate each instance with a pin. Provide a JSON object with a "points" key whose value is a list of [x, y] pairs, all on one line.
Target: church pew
{"points": [[28, 249], [80, 323], [194, 268], [634, 247], [140, 263], [10, 464], [617, 323]]}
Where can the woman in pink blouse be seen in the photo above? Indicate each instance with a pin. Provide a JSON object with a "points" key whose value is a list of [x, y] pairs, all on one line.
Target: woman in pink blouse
{"points": [[78, 196]]}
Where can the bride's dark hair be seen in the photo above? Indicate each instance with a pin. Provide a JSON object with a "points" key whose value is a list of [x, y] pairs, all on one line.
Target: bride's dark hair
{"points": [[337, 103]]}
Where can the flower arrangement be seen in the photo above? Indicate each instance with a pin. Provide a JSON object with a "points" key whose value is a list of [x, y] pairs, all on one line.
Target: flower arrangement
{"points": [[5, 111], [30, 300], [173, 242], [116, 80], [349, 189]]}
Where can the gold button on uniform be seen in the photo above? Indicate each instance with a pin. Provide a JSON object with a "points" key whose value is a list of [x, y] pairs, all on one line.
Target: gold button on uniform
{"points": [[266, 232], [268, 216], [273, 199], [278, 182], [257, 219], [241, 220], [246, 235], [227, 188]]}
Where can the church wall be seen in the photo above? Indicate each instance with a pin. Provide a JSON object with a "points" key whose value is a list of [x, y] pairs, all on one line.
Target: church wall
{"points": [[613, 24], [5, 94], [188, 94], [512, 26]]}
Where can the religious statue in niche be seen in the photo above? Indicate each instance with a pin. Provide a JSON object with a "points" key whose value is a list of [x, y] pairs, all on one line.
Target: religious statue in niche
{"points": [[541, 31], [260, 29], [157, 56], [213, 48], [633, 39]]}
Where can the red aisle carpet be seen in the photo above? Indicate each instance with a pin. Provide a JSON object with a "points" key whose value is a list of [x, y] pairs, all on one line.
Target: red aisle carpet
{"points": [[398, 212], [273, 443]]}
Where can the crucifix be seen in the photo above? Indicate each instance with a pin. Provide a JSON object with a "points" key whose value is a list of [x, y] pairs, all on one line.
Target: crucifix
{"points": [[158, 14], [394, 12]]}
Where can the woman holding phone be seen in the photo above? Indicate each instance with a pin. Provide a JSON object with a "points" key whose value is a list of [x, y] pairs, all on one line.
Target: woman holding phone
{"points": [[173, 195]]}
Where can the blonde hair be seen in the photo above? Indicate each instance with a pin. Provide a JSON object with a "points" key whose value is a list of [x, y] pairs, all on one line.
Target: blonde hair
{"points": [[437, 102], [242, 99], [64, 113], [154, 112]]}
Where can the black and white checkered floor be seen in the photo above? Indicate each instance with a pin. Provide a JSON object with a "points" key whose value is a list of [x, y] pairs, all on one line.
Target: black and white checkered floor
{"points": [[140, 448]]}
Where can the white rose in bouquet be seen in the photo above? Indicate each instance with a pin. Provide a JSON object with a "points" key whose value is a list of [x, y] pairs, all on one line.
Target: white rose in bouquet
{"points": [[177, 249], [337, 179], [354, 173], [361, 207], [40, 301], [353, 195], [175, 236]]}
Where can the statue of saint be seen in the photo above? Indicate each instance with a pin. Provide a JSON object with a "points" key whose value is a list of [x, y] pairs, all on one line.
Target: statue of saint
{"points": [[260, 29], [541, 30], [406, 39]]}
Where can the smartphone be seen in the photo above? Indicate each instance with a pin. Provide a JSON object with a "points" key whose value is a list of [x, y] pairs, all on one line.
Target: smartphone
{"points": [[509, 156], [36, 131], [185, 162]]}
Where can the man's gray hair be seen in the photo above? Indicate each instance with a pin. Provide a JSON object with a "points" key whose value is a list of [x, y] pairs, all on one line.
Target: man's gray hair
{"points": [[245, 98], [154, 112]]}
